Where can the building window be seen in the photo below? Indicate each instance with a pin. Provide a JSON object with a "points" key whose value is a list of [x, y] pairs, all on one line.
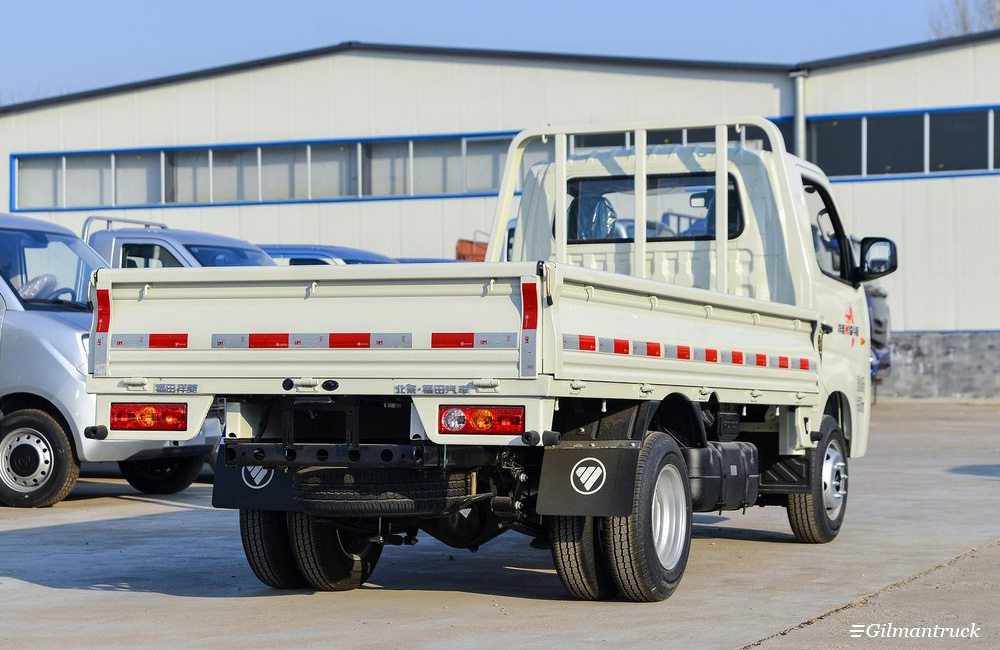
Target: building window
{"points": [[234, 175], [437, 166], [334, 170], [895, 144], [283, 173], [834, 145], [385, 168], [959, 140], [39, 182], [88, 180], [137, 178], [669, 136], [587, 142], [186, 177], [485, 161]]}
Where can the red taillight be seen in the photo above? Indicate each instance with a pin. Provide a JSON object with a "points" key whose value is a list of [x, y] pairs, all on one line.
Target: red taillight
{"points": [[481, 419], [103, 311], [149, 417]]}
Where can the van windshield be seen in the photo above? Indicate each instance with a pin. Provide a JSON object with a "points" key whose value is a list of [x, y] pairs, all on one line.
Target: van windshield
{"points": [[47, 269]]}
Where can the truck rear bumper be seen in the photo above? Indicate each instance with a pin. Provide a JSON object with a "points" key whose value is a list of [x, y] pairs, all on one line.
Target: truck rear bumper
{"points": [[408, 456]]}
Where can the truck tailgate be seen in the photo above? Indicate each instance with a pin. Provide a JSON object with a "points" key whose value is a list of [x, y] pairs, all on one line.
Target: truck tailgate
{"points": [[374, 321]]}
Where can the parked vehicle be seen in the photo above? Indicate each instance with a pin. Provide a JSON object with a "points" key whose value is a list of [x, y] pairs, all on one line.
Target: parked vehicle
{"points": [[881, 323], [591, 393], [296, 255], [426, 260], [155, 246], [45, 319]]}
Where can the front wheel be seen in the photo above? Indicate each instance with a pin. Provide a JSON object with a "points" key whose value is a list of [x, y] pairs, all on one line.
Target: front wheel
{"points": [[37, 467], [648, 549], [331, 558], [162, 475], [816, 517]]}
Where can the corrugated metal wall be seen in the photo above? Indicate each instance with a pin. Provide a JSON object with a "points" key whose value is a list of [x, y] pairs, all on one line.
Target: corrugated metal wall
{"points": [[946, 228]]}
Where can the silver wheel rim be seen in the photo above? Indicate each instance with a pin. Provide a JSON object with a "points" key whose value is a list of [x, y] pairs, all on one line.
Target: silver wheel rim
{"points": [[25, 460], [834, 479], [669, 516]]}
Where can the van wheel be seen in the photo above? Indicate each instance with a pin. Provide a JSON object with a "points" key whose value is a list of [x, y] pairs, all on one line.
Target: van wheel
{"points": [[162, 475], [330, 558], [816, 517], [37, 467], [269, 550], [648, 549], [578, 553]]}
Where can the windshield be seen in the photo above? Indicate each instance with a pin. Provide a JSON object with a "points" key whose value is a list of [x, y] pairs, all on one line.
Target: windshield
{"points": [[229, 256], [46, 268]]}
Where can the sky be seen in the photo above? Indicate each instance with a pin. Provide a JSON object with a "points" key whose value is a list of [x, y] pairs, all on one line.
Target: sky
{"points": [[53, 47]]}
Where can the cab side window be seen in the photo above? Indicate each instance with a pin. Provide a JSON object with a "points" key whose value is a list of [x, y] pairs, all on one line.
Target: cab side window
{"points": [[827, 234], [147, 256]]}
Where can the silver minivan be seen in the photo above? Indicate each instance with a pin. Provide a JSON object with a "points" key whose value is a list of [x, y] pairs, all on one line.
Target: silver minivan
{"points": [[45, 321]]}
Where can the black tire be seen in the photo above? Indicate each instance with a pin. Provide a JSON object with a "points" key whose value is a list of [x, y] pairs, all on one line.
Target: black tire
{"points": [[811, 519], [629, 541], [331, 559], [379, 492], [269, 549], [578, 553], [162, 475], [37, 466]]}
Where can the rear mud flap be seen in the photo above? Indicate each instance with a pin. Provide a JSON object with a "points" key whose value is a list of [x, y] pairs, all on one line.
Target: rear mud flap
{"points": [[587, 481], [251, 488]]}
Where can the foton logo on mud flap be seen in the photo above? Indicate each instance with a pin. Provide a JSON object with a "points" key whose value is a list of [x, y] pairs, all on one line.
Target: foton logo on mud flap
{"points": [[257, 477], [588, 476]]}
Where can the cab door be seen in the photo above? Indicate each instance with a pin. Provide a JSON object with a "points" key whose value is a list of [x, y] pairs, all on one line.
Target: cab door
{"points": [[844, 310]]}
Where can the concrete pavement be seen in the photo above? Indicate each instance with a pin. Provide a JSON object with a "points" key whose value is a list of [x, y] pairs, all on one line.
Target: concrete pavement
{"points": [[112, 568]]}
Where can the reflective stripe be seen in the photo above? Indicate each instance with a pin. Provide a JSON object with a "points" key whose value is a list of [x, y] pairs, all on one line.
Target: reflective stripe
{"points": [[307, 340], [453, 340], [230, 340], [496, 340], [103, 310], [346, 340], [392, 340], [122, 341], [168, 340], [268, 340]]}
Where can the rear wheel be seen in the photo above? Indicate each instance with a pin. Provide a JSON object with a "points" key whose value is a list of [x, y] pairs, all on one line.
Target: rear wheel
{"points": [[578, 553], [330, 558], [816, 517], [162, 475], [37, 467], [648, 549], [269, 550]]}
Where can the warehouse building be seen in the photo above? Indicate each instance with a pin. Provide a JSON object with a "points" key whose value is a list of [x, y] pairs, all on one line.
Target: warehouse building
{"points": [[400, 150]]}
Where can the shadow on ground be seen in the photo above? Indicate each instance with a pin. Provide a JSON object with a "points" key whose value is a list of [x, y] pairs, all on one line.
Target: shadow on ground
{"points": [[990, 471], [195, 551]]}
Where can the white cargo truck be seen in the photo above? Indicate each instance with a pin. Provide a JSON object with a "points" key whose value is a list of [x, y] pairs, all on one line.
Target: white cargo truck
{"points": [[592, 392]]}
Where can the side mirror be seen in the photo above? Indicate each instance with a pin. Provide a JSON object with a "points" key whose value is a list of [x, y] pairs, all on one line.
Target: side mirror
{"points": [[878, 258], [698, 200]]}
